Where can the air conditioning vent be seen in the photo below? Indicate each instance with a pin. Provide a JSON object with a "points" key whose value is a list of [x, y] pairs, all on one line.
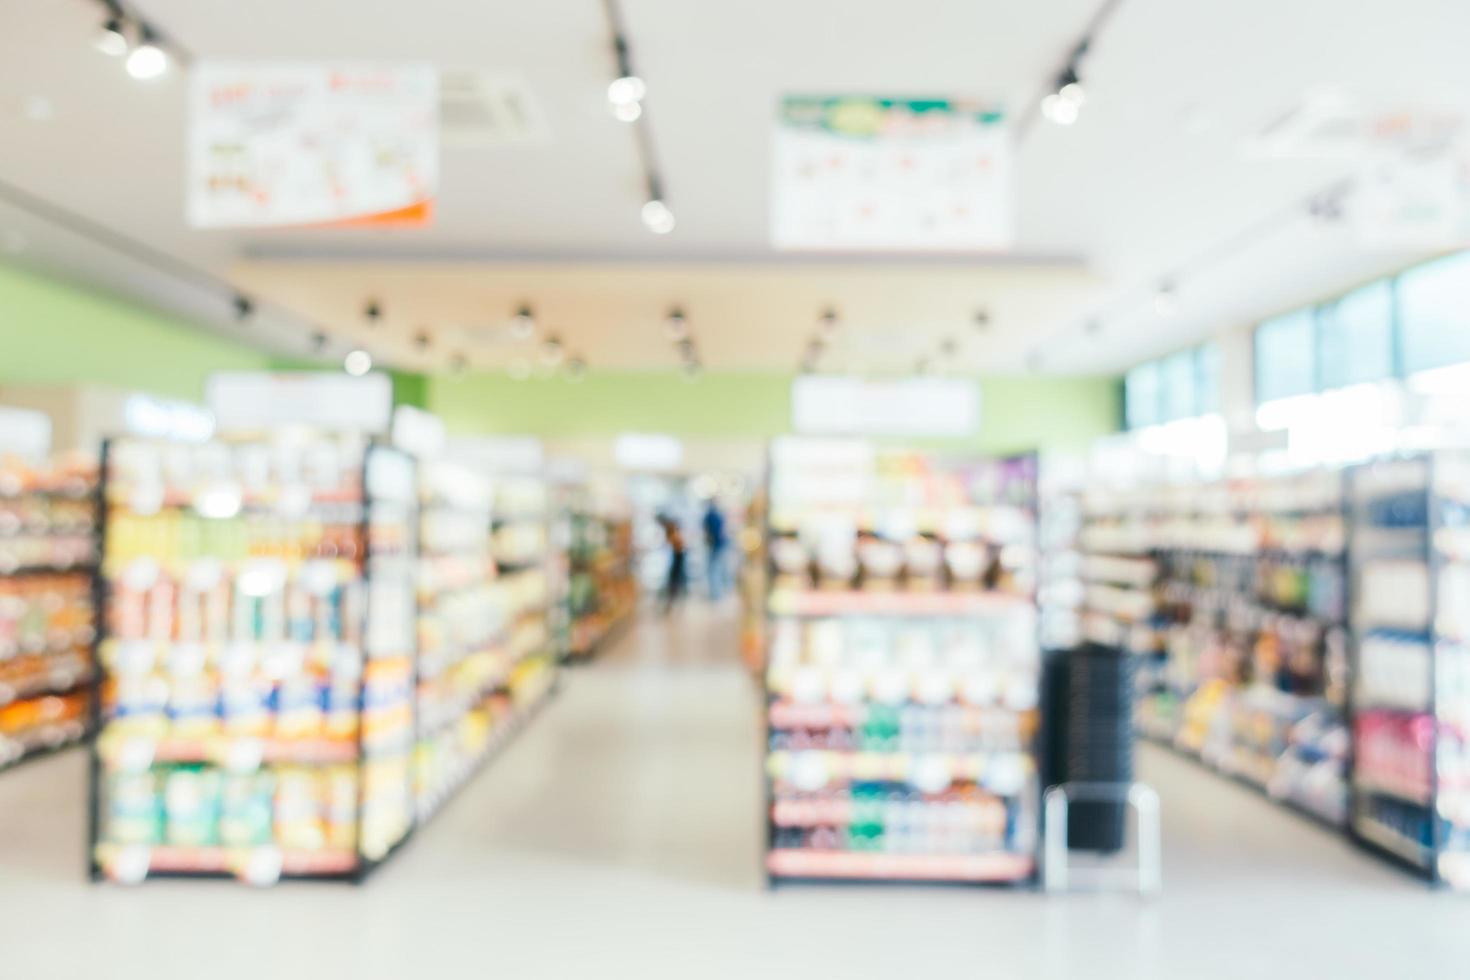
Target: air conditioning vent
{"points": [[483, 108]]}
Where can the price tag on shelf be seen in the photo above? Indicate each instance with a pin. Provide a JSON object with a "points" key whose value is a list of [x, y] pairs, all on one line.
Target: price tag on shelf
{"points": [[262, 866], [129, 865]]}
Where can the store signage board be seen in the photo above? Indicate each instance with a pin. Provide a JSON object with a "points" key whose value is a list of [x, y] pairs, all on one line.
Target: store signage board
{"points": [[860, 173], [499, 455], [24, 433], [163, 418], [913, 407], [275, 144], [648, 452], [262, 401]]}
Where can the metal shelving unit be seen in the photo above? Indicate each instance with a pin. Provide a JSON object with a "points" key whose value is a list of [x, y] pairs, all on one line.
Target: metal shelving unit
{"points": [[902, 701]]}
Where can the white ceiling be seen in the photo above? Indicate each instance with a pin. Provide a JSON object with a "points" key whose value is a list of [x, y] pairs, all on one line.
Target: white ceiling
{"points": [[1151, 181]]}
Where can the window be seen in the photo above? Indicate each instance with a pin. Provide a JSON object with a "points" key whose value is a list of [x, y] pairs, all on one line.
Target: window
{"points": [[1286, 362], [1181, 386], [1355, 337], [1434, 314], [1141, 396]]}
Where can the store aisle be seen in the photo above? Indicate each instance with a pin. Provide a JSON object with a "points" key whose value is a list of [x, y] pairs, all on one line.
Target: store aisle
{"points": [[620, 837]]}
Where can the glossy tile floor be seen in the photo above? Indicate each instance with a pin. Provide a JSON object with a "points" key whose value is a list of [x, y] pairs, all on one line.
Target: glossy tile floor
{"points": [[619, 837]]}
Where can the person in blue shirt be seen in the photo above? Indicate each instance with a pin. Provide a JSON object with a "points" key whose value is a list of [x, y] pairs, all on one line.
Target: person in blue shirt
{"points": [[716, 542]]}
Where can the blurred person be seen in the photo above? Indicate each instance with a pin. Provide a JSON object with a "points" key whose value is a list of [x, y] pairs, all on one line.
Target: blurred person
{"points": [[717, 543], [678, 578]]}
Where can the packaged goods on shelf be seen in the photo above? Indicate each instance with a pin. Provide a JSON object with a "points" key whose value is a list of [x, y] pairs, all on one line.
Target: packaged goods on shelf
{"points": [[1411, 686], [902, 666], [1233, 596], [602, 591], [257, 654], [48, 547]]}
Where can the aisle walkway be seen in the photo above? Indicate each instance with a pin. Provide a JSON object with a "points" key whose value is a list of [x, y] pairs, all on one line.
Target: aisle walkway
{"points": [[620, 838]]}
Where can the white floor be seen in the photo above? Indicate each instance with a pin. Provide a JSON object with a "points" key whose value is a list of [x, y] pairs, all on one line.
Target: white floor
{"points": [[620, 837]]}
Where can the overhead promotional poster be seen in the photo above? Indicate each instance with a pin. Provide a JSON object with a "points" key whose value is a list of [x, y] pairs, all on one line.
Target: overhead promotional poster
{"points": [[288, 144], [858, 173]]}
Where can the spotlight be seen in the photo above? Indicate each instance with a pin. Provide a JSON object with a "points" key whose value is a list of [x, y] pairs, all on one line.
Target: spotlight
{"points": [[1069, 87], [357, 362], [982, 319], [1166, 300], [148, 60], [112, 38], [685, 347], [458, 362], [523, 325], [576, 369], [243, 307], [552, 351], [519, 369], [691, 369], [1059, 110], [829, 321], [625, 91], [676, 327], [657, 217], [372, 313], [318, 342], [628, 112], [422, 340]]}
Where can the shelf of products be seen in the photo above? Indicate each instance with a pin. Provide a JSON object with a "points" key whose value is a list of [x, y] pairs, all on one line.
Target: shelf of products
{"points": [[1234, 595], [465, 616], [256, 709], [902, 668], [602, 591], [48, 547], [1411, 678]]}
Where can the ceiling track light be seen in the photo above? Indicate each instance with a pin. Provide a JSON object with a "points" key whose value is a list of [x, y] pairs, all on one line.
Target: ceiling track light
{"points": [[148, 60], [982, 319], [372, 313], [244, 307], [423, 340], [458, 363], [318, 342], [1166, 299], [656, 215], [523, 324], [552, 351], [357, 363], [576, 368], [828, 321], [676, 326], [112, 36], [1066, 95]]}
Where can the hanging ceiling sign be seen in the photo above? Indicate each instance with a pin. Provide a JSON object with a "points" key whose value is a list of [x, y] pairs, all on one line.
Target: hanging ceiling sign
{"points": [[870, 174], [934, 407], [281, 144], [262, 401]]}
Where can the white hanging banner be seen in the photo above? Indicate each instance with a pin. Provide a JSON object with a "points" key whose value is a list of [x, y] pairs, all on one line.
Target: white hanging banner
{"points": [[862, 173], [274, 144], [260, 401], [24, 433], [934, 407]]}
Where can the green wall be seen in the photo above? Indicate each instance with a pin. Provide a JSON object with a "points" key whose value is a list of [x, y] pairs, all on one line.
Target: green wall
{"points": [[53, 332], [1016, 413]]}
